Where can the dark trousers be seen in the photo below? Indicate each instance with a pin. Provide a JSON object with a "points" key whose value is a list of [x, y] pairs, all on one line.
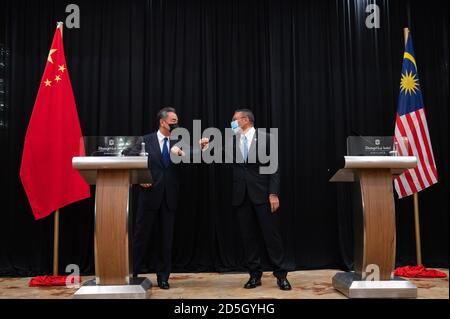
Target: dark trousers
{"points": [[253, 220], [146, 220]]}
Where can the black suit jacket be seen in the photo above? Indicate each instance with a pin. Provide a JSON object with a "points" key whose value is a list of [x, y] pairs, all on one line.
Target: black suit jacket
{"points": [[165, 180], [247, 177]]}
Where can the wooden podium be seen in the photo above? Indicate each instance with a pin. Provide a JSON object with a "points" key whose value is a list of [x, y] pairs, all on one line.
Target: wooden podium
{"points": [[112, 245], [373, 227]]}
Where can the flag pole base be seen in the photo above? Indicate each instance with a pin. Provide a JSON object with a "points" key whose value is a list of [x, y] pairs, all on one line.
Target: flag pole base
{"points": [[351, 286], [137, 289]]}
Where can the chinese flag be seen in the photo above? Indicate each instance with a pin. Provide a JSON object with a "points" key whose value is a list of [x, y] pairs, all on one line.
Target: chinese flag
{"points": [[52, 139]]}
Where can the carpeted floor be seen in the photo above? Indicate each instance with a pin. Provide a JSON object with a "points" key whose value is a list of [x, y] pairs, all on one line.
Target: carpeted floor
{"points": [[313, 284]]}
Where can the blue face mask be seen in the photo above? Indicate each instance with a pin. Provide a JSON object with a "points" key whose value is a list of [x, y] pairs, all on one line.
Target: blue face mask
{"points": [[235, 127]]}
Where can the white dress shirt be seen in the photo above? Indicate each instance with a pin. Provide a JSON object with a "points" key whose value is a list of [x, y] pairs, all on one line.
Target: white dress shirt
{"points": [[249, 135], [161, 138]]}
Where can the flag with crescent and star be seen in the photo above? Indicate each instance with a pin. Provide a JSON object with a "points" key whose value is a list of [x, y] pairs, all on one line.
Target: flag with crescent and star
{"points": [[411, 130]]}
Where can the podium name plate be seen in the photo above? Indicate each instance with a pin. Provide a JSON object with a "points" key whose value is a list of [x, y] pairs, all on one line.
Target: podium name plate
{"points": [[112, 145], [370, 145]]}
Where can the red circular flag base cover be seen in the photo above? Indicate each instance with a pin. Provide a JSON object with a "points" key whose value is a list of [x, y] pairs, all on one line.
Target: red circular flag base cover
{"points": [[418, 271], [47, 281]]}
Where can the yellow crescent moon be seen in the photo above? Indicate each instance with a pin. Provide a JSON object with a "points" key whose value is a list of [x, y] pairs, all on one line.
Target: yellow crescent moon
{"points": [[410, 58]]}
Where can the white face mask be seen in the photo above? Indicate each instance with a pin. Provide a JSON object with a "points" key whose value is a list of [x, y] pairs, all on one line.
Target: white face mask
{"points": [[235, 127]]}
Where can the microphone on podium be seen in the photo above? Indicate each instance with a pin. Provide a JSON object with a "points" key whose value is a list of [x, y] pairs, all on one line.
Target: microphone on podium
{"points": [[143, 152]]}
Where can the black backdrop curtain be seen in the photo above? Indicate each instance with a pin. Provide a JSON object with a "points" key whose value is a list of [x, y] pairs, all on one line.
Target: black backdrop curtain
{"points": [[310, 68]]}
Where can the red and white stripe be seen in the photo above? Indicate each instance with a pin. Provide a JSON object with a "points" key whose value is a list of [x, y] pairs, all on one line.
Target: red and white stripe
{"points": [[414, 127]]}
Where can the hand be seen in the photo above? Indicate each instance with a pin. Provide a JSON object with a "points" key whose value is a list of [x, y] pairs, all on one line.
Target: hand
{"points": [[274, 202], [146, 185], [204, 142], [177, 151]]}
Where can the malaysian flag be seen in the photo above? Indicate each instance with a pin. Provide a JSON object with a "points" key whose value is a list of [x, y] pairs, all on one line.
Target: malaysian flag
{"points": [[411, 130]]}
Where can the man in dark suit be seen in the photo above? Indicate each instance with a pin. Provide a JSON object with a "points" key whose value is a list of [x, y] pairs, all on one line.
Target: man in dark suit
{"points": [[158, 201], [255, 199]]}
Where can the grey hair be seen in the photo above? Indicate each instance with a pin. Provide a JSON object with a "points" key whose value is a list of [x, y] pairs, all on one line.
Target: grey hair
{"points": [[248, 113], [162, 114]]}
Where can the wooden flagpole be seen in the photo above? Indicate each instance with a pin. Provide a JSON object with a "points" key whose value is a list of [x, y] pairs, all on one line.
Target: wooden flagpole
{"points": [[56, 218], [417, 228], [56, 243], [416, 201]]}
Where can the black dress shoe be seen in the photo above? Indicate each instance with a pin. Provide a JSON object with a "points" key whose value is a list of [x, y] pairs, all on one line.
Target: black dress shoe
{"points": [[284, 284], [163, 284], [253, 282]]}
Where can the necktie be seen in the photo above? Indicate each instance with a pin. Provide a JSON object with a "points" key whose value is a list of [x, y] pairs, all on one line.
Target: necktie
{"points": [[245, 148], [165, 153]]}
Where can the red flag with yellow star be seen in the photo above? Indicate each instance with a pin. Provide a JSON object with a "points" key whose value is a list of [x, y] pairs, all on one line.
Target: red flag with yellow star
{"points": [[52, 139]]}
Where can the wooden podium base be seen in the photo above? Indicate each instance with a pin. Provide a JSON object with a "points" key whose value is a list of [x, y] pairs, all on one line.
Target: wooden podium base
{"points": [[139, 288], [352, 286]]}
